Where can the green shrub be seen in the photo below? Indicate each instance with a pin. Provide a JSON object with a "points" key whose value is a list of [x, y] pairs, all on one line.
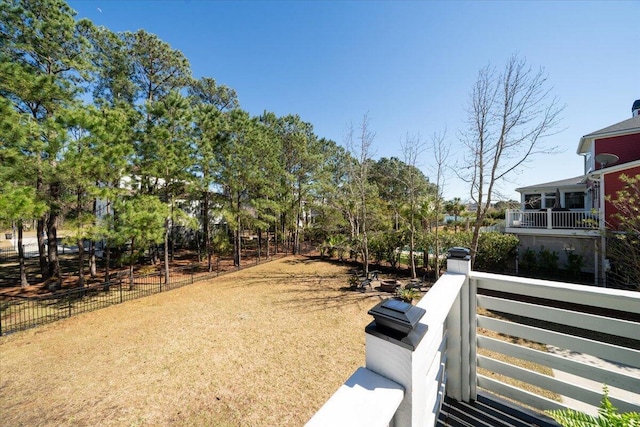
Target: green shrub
{"points": [[548, 260], [575, 262], [377, 246], [335, 245], [221, 244], [496, 252], [529, 260], [447, 240], [608, 416], [383, 245], [408, 295]]}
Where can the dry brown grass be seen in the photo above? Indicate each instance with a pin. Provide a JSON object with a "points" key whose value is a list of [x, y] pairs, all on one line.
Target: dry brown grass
{"points": [[541, 369], [264, 346]]}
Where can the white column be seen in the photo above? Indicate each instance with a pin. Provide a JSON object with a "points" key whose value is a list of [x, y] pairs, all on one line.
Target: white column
{"points": [[458, 335], [603, 231]]}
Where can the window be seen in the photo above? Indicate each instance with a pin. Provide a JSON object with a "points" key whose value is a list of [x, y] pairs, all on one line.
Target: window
{"points": [[532, 201], [549, 200], [574, 200]]}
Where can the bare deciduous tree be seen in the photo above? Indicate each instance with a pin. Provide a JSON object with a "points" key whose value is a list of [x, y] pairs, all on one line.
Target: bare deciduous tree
{"points": [[412, 149], [623, 234], [440, 159], [510, 115], [361, 149]]}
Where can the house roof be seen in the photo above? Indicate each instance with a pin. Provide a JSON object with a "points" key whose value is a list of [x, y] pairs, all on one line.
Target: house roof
{"points": [[615, 168], [624, 127], [578, 180]]}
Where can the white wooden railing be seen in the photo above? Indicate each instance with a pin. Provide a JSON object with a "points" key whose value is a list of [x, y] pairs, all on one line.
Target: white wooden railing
{"points": [[589, 337], [550, 219]]}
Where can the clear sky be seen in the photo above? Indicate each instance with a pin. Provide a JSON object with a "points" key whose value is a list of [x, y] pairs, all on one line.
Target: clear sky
{"points": [[409, 65]]}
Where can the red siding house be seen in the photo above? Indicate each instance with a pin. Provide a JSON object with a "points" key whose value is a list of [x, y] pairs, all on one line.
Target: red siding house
{"points": [[571, 215]]}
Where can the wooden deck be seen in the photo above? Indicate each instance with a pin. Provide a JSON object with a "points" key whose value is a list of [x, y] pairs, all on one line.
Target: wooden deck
{"points": [[490, 411]]}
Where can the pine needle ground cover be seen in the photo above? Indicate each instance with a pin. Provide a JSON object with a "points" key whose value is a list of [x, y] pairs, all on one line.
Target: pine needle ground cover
{"points": [[264, 346]]}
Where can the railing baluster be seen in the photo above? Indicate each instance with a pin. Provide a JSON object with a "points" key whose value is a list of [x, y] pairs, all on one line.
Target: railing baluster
{"points": [[473, 311]]}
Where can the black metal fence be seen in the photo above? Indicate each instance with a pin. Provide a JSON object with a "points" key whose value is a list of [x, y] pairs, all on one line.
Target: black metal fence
{"points": [[18, 313]]}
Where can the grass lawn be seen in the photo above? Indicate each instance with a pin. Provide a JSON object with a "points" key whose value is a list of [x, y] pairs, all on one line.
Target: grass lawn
{"points": [[266, 346]]}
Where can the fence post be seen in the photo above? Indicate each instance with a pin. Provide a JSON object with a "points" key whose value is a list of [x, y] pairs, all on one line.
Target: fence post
{"points": [[69, 305], [120, 286], [160, 279], [458, 325], [385, 343], [192, 269]]}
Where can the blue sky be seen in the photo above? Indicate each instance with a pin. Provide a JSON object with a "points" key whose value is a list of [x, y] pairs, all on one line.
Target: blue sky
{"points": [[409, 65]]}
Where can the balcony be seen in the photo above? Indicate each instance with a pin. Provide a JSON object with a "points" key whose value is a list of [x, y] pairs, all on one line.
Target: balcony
{"points": [[460, 374], [548, 221]]}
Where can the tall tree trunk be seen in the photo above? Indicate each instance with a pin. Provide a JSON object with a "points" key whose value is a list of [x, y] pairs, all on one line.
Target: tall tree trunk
{"points": [[80, 242], [283, 239], [267, 244], [107, 246], [92, 259], [237, 246], [412, 261], [275, 238], [425, 258], [205, 231], [40, 226], [173, 233], [53, 263], [42, 249], [92, 244], [436, 250], [107, 259], [412, 244], [237, 238], [259, 244], [296, 237], [23, 271], [476, 234], [80, 263], [166, 251], [365, 240], [131, 261]]}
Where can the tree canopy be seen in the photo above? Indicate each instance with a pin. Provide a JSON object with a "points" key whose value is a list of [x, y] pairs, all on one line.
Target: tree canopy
{"points": [[112, 135]]}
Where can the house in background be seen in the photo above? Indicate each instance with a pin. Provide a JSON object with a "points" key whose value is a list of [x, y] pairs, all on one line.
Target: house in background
{"points": [[571, 215]]}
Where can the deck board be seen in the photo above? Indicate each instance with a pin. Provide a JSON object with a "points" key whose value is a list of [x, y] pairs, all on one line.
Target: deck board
{"points": [[489, 411]]}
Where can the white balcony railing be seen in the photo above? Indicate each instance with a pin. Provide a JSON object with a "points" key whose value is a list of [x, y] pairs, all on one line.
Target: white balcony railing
{"points": [[587, 336], [550, 219]]}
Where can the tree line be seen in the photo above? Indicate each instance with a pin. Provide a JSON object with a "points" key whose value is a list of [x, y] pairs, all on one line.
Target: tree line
{"points": [[111, 132]]}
